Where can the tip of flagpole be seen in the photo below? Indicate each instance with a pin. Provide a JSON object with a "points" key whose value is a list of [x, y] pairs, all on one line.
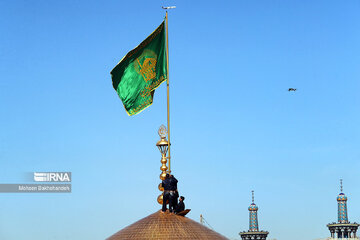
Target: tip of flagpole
{"points": [[170, 7]]}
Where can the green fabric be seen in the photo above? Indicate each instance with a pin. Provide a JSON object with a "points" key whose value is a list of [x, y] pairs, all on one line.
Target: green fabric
{"points": [[141, 71]]}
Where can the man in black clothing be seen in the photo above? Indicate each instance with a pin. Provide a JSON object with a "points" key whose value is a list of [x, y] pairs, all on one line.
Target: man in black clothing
{"points": [[166, 186], [170, 191], [181, 206], [173, 193]]}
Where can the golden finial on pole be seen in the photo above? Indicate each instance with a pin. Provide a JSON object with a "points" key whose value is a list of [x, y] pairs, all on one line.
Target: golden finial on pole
{"points": [[163, 146]]}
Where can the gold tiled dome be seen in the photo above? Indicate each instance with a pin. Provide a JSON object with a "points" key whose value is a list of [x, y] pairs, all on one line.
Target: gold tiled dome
{"points": [[166, 226]]}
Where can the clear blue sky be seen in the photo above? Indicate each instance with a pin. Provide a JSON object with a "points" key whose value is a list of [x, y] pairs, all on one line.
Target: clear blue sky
{"points": [[235, 127]]}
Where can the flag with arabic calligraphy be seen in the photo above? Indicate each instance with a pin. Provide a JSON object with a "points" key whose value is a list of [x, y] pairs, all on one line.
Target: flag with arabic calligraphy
{"points": [[141, 71]]}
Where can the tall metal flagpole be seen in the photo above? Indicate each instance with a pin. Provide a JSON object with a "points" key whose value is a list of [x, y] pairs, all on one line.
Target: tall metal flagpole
{"points": [[167, 87], [167, 83]]}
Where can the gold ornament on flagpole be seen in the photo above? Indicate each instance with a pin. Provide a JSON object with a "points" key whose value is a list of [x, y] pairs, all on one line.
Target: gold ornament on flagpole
{"points": [[163, 146]]}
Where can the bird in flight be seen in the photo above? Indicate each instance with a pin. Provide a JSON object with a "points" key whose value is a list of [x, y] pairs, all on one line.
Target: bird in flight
{"points": [[292, 89]]}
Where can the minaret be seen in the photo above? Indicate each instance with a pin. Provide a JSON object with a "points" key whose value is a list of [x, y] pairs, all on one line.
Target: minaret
{"points": [[253, 219], [342, 206], [253, 232], [343, 229]]}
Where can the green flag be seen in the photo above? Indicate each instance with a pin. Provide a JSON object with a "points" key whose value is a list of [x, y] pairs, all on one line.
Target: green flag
{"points": [[141, 71]]}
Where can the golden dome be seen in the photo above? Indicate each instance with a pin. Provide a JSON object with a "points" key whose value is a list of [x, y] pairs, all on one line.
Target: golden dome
{"points": [[166, 226]]}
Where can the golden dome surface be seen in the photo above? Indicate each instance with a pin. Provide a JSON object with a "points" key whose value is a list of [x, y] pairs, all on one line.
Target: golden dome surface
{"points": [[166, 226]]}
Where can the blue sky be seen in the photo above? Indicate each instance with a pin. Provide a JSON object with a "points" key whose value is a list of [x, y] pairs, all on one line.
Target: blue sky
{"points": [[235, 127]]}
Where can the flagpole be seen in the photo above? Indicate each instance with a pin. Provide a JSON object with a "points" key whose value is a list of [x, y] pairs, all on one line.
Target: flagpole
{"points": [[167, 86]]}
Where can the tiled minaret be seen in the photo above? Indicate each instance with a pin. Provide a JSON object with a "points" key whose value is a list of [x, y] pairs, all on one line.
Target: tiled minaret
{"points": [[342, 206], [253, 218], [343, 229], [253, 232]]}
